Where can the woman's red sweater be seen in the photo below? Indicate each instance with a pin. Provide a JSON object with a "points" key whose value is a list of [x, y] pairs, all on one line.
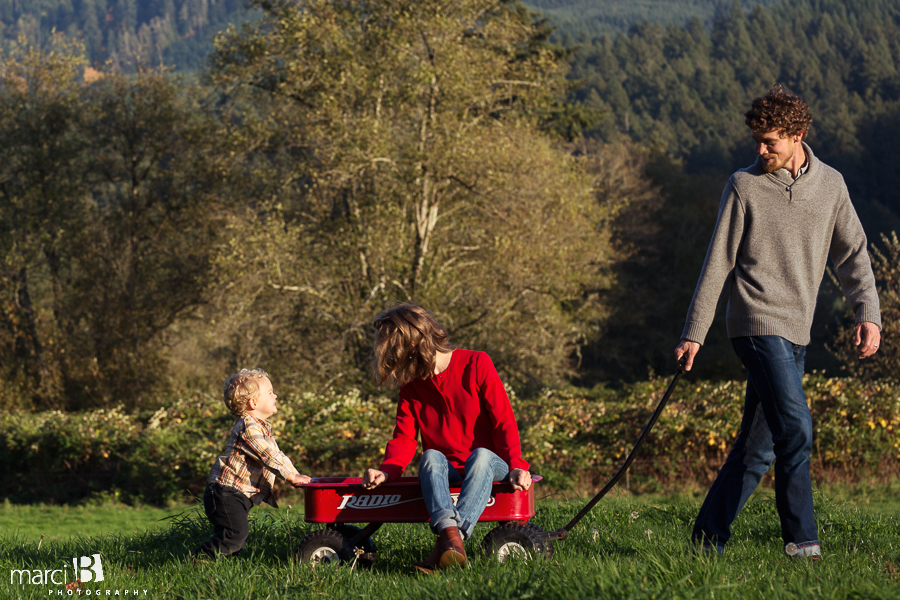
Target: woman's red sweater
{"points": [[463, 408]]}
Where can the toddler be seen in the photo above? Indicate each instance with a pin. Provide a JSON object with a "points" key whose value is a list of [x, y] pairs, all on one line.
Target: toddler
{"points": [[245, 474]]}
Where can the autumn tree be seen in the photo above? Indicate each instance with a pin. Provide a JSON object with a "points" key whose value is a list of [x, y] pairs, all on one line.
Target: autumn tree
{"points": [[110, 192], [41, 186], [401, 154]]}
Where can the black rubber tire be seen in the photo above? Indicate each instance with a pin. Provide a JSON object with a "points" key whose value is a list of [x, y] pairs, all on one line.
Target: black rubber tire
{"points": [[368, 558], [512, 540], [323, 547]]}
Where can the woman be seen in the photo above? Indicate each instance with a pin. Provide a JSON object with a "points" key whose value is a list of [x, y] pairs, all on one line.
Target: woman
{"points": [[453, 399]]}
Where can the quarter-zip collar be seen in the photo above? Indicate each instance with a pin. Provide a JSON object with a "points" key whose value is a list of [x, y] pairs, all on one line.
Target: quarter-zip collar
{"points": [[783, 178]]}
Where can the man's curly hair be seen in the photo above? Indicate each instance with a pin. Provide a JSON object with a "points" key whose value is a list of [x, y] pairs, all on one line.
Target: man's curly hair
{"points": [[241, 388], [780, 111]]}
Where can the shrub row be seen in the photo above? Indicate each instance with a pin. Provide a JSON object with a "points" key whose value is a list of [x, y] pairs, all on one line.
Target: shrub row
{"points": [[581, 439], [574, 437]]}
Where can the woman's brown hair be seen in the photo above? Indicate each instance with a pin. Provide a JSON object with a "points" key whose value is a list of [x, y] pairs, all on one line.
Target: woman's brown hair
{"points": [[407, 340]]}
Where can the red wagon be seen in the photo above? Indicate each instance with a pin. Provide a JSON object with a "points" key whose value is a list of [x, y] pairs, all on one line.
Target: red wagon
{"points": [[338, 501]]}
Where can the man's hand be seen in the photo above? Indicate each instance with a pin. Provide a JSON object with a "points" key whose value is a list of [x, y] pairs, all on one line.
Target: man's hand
{"points": [[867, 339], [372, 478], [298, 480], [688, 350], [520, 479]]}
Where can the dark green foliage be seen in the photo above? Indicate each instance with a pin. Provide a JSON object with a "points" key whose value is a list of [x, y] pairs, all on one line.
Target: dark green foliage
{"points": [[681, 91], [108, 197], [885, 364], [664, 236]]}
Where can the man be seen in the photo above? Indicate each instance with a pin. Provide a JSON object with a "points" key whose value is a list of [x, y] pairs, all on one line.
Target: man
{"points": [[778, 222]]}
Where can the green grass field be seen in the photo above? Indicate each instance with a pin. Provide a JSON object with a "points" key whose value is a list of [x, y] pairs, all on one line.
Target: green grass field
{"points": [[60, 523], [626, 548]]}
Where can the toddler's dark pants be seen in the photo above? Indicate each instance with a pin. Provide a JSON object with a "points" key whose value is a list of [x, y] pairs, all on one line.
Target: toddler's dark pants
{"points": [[227, 510]]}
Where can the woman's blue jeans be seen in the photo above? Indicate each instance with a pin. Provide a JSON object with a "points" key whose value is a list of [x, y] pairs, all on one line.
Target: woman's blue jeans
{"points": [[777, 425], [483, 468]]}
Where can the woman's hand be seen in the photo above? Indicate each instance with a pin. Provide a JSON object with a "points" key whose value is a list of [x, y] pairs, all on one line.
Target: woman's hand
{"points": [[372, 478], [520, 479]]}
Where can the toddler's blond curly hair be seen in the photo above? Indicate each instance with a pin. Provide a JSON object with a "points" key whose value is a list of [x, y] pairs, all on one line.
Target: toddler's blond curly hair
{"points": [[240, 388]]}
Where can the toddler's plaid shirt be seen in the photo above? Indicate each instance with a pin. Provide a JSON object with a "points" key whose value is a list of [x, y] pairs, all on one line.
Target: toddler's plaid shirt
{"points": [[252, 460]]}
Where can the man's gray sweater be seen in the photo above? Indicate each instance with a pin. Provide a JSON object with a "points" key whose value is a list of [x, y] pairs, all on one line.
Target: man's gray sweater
{"points": [[769, 250]]}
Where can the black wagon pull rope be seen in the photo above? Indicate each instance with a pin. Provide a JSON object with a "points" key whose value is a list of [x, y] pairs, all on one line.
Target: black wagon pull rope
{"points": [[561, 534]]}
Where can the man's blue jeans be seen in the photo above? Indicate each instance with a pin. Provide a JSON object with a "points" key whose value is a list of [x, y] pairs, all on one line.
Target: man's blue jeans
{"points": [[483, 467], [777, 425]]}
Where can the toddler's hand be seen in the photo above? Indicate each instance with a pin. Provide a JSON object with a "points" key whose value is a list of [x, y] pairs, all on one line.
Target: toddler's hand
{"points": [[298, 480]]}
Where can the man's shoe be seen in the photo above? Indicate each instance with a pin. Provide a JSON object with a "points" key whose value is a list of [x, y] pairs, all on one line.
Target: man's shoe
{"points": [[453, 553], [810, 551]]}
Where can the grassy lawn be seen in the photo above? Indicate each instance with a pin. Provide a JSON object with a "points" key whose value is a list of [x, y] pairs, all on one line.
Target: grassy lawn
{"points": [[29, 522], [626, 548], [877, 498]]}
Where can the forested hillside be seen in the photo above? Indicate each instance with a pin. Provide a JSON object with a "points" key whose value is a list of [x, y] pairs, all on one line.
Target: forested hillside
{"points": [[586, 19], [179, 32], [681, 91], [173, 32], [157, 232]]}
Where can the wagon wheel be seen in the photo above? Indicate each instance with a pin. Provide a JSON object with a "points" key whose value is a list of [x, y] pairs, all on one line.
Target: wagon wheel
{"points": [[512, 540], [332, 547], [366, 546], [323, 547]]}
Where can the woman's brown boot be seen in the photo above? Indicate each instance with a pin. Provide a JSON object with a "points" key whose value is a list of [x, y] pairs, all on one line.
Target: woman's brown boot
{"points": [[448, 552], [431, 563], [453, 553]]}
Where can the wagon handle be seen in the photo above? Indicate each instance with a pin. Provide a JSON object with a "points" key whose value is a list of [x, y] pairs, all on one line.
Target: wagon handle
{"points": [[561, 534]]}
